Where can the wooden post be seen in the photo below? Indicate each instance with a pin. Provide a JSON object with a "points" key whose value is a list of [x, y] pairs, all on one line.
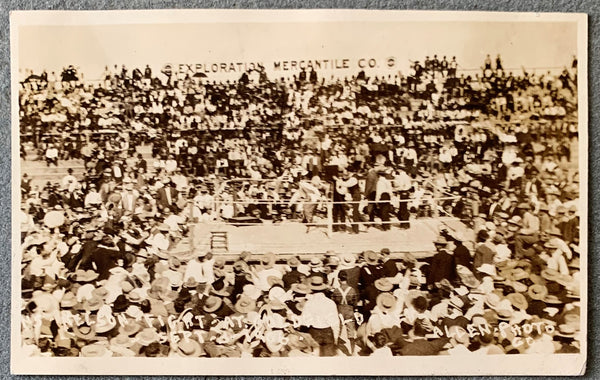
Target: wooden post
{"points": [[436, 196], [329, 219]]}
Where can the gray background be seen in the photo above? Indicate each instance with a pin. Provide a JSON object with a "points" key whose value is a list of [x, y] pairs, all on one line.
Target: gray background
{"points": [[591, 7]]}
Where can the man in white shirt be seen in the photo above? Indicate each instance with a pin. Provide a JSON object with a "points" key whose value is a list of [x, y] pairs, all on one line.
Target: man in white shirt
{"points": [[320, 315], [51, 155], [309, 194], [129, 196], [69, 180], [158, 239], [93, 197], [173, 221], [171, 164], [201, 269], [529, 232], [204, 201]]}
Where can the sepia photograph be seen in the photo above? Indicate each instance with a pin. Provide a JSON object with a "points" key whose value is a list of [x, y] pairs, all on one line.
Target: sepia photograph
{"points": [[333, 192]]}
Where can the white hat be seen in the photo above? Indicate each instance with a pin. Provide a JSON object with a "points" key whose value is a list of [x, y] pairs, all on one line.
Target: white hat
{"points": [[85, 292], [488, 269]]}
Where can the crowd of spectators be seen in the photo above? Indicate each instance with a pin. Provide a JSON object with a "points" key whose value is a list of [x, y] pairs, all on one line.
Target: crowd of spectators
{"points": [[107, 268]]}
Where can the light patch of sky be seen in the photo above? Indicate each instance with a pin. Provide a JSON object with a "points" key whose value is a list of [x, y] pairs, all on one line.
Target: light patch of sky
{"points": [[529, 44]]}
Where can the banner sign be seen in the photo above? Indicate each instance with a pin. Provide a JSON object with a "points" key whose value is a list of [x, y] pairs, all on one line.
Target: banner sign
{"points": [[294, 65]]}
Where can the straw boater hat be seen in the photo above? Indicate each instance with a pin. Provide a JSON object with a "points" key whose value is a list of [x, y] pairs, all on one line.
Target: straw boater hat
{"points": [[105, 321], [189, 348], [174, 263], [493, 300], [467, 277], [147, 336], [134, 311], [332, 261], [190, 283], [212, 304], [100, 292], [552, 299], [315, 262], [371, 257], [175, 278], [92, 304], [383, 284], [517, 274], [551, 274], [163, 227], [347, 259], [245, 304], [268, 260], [122, 340], [85, 332], [95, 350], [293, 262], [504, 310], [300, 288], [502, 215], [130, 328], [137, 295], [251, 291], [120, 351], [386, 302], [456, 302], [68, 300], [566, 331], [85, 276], [518, 301], [488, 269], [317, 283], [515, 220], [160, 290], [537, 279], [519, 287]]}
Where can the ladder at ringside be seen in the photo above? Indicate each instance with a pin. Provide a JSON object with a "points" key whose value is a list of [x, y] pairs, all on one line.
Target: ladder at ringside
{"points": [[218, 241]]}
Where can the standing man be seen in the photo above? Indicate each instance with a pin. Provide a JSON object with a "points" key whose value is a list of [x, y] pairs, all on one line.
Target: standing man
{"points": [[339, 207], [403, 184], [51, 155], [349, 182], [167, 197], [383, 195], [370, 192], [320, 315], [129, 196], [308, 192]]}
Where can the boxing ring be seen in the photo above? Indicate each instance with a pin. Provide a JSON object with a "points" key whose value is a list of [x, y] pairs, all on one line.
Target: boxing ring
{"points": [[285, 236]]}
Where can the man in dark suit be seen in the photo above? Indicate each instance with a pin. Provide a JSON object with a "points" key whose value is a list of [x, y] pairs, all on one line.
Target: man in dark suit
{"points": [[370, 191], [141, 164], [349, 182], [442, 264], [167, 197]]}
